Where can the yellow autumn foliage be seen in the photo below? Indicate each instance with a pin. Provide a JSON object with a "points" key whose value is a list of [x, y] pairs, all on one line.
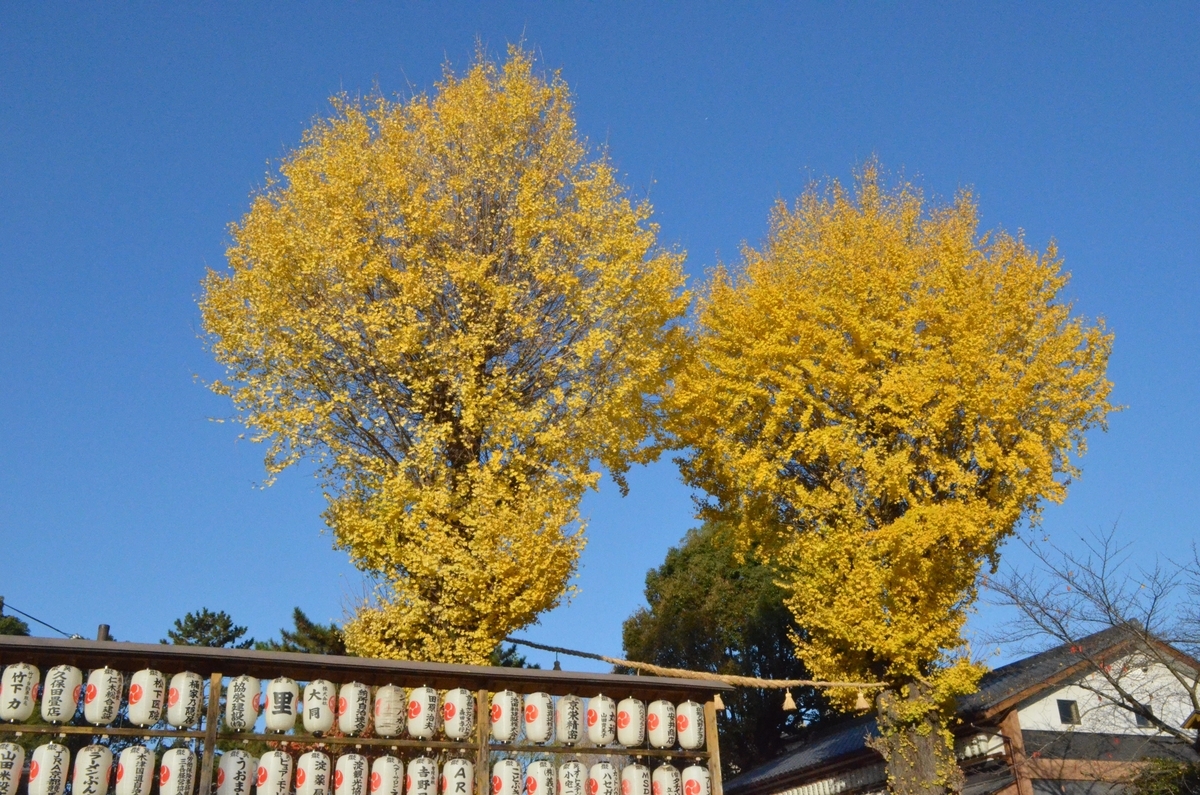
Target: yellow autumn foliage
{"points": [[453, 308], [880, 396]]}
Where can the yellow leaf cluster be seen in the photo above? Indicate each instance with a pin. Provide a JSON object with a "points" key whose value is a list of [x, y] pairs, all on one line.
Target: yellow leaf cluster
{"points": [[879, 396], [453, 307]]}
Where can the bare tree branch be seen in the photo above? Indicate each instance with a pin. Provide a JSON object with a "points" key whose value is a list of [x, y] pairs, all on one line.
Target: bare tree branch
{"points": [[1068, 597]]}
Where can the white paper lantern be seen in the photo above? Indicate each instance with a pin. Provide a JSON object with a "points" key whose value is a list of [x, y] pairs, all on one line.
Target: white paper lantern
{"points": [[421, 777], [631, 722], [102, 698], [391, 709], [458, 714], [147, 689], [387, 776], [93, 766], [539, 778], [320, 700], [572, 778], [660, 724], [177, 773], [601, 720], [237, 772], [280, 707], [458, 777], [185, 699], [48, 769], [539, 714], [602, 779], [354, 708], [135, 771], [635, 780], [312, 774], [18, 688], [696, 781], [506, 777], [689, 725], [568, 720], [505, 716], [243, 700], [350, 775], [422, 713], [274, 772], [60, 696], [665, 780], [12, 760]]}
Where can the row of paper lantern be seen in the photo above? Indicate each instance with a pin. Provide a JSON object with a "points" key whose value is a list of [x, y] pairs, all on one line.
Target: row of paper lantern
{"points": [[48, 768], [390, 776], [315, 774], [149, 697], [629, 722], [422, 711]]}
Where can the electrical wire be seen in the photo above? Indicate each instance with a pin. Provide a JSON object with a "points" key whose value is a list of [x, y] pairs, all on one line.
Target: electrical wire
{"points": [[8, 606]]}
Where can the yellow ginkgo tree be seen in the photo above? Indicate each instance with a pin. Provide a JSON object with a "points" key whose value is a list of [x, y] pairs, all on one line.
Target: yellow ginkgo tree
{"points": [[879, 397], [453, 308]]}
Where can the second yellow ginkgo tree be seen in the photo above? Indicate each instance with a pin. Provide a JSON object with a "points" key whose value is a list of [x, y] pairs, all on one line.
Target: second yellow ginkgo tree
{"points": [[879, 397]]}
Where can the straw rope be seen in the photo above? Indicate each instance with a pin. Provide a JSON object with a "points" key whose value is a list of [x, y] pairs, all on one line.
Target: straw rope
{"points": [[683, 673]]}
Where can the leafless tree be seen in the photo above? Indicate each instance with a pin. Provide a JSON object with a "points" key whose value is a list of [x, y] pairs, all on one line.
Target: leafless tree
{"points": [[1150, 617]]}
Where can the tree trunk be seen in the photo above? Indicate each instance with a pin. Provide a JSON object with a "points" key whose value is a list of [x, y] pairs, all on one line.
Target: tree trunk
{"points": [[915, 743]]}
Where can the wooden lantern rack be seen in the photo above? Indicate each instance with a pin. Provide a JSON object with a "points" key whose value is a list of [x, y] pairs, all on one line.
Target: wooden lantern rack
{"points": [[217, 664]]}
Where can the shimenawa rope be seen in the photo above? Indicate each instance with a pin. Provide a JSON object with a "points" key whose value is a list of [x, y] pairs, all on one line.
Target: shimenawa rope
{"points": [[683, 673]]}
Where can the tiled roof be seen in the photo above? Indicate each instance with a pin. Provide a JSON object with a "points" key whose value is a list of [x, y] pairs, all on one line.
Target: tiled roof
{"points": [[1008, 680], [847, 738], [841, 740]]}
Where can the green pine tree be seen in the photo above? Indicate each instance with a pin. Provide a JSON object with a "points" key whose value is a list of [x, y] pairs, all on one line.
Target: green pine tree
{"points": [[206, 628], [710, 611], [11, 625], [307, 637], [507, 657]]}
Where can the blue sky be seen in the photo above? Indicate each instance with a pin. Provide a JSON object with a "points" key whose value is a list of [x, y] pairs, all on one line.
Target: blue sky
{"points": [[131, 135]]}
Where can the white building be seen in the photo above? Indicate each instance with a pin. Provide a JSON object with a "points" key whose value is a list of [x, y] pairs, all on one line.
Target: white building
{"points": [[1050, 724]]}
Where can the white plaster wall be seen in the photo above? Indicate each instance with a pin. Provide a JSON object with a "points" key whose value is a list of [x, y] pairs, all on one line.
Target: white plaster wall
{"points": [[1150, 681]]}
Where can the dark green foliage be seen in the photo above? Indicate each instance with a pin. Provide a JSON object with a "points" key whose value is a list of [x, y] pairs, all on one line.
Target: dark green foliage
{"points": [[1166, 777], [308, 637], [708, 611], [507, 657], [11, 625], [207, 628]]}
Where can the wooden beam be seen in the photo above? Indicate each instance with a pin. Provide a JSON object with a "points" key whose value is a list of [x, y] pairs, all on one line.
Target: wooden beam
{"points": [[386, 742], [212, 722], [601, 750], [203, 660], [100, 731]]}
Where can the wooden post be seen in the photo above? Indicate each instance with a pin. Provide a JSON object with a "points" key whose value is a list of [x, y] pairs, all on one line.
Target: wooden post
{"points": [[211, 722], [483, 719], [1010, 730], [713, 746]]}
